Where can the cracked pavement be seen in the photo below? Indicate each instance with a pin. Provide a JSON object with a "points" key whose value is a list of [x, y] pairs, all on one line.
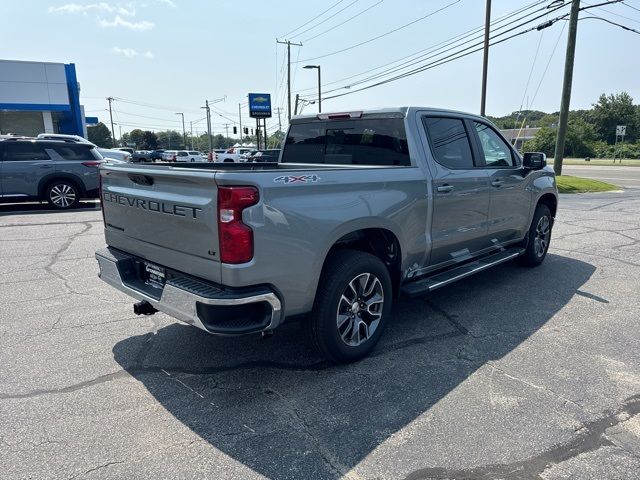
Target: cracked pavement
{"points": [[513, 373]]}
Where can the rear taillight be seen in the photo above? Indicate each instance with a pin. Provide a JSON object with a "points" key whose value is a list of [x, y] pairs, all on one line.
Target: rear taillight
{"points": [[93, 163], [236, 238]]}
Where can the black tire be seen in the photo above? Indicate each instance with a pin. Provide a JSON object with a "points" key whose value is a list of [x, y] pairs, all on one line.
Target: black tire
{"points": [[228, 160], [538, 243], [342, 269], [62, 194]]}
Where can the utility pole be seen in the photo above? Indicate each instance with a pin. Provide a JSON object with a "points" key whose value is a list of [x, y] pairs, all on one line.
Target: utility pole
{"points": [[240, 118], [208, 110], [566, 87], [295, 112], [288, 44], [113, 133], [226, 127], [191, 133], [184, 132], [485, 60]]}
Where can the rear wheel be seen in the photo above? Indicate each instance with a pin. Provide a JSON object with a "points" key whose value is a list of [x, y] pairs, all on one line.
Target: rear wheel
{"points": [[352, 306], [539, 237], [62, 194]]}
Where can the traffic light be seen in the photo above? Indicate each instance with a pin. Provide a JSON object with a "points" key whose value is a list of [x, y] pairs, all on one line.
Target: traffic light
{"points": [[235, 130], [252, 131], [246, 130]]}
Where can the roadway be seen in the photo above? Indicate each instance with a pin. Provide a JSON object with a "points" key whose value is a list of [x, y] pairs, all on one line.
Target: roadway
{"points": [[627, 177]]}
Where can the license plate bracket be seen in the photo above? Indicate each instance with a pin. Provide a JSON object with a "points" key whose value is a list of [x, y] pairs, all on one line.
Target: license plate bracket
{"points": [[154, 275]]}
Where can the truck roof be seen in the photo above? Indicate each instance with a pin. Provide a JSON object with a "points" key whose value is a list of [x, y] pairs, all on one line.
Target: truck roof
{"points": [[404, 111]]}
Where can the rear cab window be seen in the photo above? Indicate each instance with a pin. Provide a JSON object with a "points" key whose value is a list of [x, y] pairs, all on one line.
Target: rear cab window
{"points": [[375, 141]]}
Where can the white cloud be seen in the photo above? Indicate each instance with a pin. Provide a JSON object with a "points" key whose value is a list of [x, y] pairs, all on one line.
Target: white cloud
{"points": [[131, 53], [171, 3], [125, 9], [118, 21]]}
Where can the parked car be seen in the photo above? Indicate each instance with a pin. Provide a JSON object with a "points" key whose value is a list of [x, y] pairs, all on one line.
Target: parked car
{"points": [[141, 156], [156, 155], [181, 156], [107, 153], [362, 207], [60, 172], [270, 155]]}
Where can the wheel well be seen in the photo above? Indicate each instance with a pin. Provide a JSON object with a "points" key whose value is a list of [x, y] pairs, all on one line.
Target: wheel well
{"points": [[550, 201], [379, 242], [45, 184]]}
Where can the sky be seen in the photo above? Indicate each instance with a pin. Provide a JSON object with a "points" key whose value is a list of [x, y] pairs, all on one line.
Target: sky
{"points": [[160, 57]]}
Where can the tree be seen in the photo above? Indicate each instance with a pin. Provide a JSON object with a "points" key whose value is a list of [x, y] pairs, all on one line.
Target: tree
{"points": [[579, 143], [149, 140], [100, 135], [135, 137], [170, 140], [612, 110]]}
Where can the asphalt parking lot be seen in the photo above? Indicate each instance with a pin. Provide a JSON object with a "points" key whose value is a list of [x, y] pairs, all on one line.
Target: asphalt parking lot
{"points": [[514, 373]]}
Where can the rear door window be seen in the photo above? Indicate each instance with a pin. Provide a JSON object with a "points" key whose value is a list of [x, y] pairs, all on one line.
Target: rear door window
{"points": [[76, 152], [24, 151], [449, 142], [368, 141]]}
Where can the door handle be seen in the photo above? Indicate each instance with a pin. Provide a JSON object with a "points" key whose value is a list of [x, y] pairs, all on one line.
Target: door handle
{"points": [[45, 166], [497, 183], [444, 188]]}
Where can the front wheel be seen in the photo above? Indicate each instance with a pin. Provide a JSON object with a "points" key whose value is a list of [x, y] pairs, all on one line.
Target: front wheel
{"points": [[539, 237], [62, 194], [352, 306]]}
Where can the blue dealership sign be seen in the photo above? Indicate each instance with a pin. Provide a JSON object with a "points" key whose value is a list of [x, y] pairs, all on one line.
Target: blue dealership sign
{"points": [[260, 105]]}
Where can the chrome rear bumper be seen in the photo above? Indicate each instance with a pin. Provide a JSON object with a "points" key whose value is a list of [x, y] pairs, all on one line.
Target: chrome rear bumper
{"points": [[209, 307]]}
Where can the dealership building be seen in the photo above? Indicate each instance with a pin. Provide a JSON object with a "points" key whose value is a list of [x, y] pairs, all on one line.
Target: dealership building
{"points": [[40, 97]]}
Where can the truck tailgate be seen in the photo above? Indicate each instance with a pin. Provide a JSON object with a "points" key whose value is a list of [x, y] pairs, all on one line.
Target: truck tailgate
{"points": [[164, 215]]}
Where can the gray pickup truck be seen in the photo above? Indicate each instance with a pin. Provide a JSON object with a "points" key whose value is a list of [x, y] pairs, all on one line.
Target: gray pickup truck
{"points": [[360, 208]]}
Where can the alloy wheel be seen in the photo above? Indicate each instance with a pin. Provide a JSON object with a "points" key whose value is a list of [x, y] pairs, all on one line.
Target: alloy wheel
{"points": [[360, 309]]}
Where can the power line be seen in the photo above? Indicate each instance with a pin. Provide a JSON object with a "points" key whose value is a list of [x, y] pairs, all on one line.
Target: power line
{"points": [[455, 56], [629, 29], [326, 19], [151, 105], [631, 7], [614, 13], [469, 50], [382, 35], [346, 21], [432, 48], [451, 46], [317, 16]]}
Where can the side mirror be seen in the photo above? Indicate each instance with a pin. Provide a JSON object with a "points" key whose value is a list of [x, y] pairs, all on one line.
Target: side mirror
{"points": [[534, 160]]}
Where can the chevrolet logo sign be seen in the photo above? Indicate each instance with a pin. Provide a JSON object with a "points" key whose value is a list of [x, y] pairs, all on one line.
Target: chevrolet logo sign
{"points": [[260, 99]]}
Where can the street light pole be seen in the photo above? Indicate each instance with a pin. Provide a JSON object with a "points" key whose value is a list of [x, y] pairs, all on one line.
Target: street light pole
{"points": [[319, 88]]}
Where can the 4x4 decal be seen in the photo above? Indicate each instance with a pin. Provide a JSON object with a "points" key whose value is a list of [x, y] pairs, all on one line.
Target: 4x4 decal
{"points": [[287, 179]]}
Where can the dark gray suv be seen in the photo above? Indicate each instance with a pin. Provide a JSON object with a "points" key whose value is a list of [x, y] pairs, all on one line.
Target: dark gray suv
{"points": [[56, 171]]}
